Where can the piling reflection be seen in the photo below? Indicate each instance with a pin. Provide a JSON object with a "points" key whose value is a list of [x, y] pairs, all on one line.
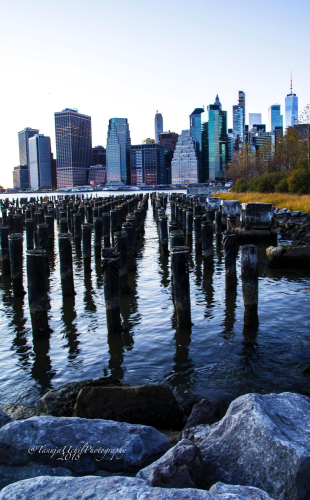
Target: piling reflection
{"points": [[68, 316], [89, 293], [116, 352], [230, 312], [250, 347], [41, 369], [183, 364], [207, 286]]}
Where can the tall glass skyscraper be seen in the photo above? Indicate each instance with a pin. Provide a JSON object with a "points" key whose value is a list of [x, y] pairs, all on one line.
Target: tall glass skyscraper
{"points": [[185, 165], [195, 125], [40, 158], [275, 117], [23, 138], [217, 141], [291, 109], [238, 123], [73, 147], [241, 103], [118, 151], [159, 127]]}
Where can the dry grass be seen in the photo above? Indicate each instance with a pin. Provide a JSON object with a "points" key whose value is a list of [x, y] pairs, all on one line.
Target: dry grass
{"points": [[279, 200]]}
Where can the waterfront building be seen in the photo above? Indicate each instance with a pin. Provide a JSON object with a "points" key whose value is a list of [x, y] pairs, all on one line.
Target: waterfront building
{"points": [[275, 117], [118, 152], [291, 108], [254, 119], [147, 164], [185, 164], [99, 155], [21, 177], [159, 127], [217, 141], [97, 175], [23, 138], [168, 140], [195, 125], [73, 147], [40, 162]]}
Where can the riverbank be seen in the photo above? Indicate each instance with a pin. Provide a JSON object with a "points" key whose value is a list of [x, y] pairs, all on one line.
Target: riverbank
{"points": [[292, 202]]}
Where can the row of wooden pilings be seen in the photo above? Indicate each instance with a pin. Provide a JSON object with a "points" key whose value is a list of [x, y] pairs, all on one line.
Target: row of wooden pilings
{"points": [[121, 218], [188, 217]]}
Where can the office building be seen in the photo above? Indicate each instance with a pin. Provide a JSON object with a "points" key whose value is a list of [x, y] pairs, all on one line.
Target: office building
{"points": [[159, 127], [241, 104], [230, 144], [147, 164], [195, 125], [40, 162], [118, 152], [275, 117], [237, 126], [54, 171], [217, 141], [99, 155], [254, 119], [73, 147], [21, 177], [185, 164], [291, 108], [97, 175], [23, 138], [168, 140]]}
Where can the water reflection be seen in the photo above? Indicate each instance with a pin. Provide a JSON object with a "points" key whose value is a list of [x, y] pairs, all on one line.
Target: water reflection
{"points": [[68, 317], [230, 312], [41, 369], [89, 293], [116, 352], [207, 286]]}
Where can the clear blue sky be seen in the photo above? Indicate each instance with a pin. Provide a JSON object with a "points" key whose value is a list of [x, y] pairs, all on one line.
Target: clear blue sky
{"points": [[128, 58]]}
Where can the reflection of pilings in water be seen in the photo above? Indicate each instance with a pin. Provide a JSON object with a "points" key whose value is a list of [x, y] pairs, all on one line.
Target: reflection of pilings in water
{"points": [[20, 344], [230, 261], [41, 369], [116, 351], [249, 274], [111, 283], [180, 285], [89, 292], [5, 253], [207, 243], [37, 291], [16, 263], [68, 318], [183, 363], [250, 346], [207, 284], [230, 311]]}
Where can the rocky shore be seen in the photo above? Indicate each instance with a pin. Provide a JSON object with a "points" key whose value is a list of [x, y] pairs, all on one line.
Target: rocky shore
{"points": [[101, 439]]}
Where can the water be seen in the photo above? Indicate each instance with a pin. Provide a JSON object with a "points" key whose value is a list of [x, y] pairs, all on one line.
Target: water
{"points": [[216, 358]]}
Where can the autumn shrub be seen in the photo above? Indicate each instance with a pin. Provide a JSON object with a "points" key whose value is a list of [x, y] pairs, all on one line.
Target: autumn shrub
{"points": [[240, 186], [299, 181]]}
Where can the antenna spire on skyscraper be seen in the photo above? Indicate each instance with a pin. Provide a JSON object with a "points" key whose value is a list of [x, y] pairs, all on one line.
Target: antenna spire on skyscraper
{"points": [[291, 83]]}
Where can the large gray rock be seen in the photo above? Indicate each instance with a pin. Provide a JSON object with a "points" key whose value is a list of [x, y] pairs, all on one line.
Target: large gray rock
{"points": [[81, 445], [289, 256], [60, 401], [153, 405], [116, 488], [207, 411], [10, 475], [262, 441], [179, 467], [248, 492], [19, 412], [4, 419]]}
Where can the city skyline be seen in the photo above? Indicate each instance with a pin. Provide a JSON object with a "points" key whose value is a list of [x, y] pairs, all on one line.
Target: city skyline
{"points": [[108, 82]]}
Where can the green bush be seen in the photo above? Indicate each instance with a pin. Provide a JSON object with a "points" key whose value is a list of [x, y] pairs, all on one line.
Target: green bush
{"points": [[282, 186], [266, 183], [240, 186], [253, 184], [299, 181]]}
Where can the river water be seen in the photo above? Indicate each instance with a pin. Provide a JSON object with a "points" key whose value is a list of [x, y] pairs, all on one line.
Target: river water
{"points": [[217, 358]]}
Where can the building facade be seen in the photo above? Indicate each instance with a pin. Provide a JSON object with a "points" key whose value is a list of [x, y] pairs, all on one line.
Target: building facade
{"points": [[195, 125], [168, 140], [99, 155], [275, 117], [241, 104], [230, 144], [254, 119], [159, 126], [238, 126], [21, 177], [147, 164], [185, 164], [291, 110], [118, 151], [73, 147], [40, 162], [23, 138], [97, 175], [217, 141]]}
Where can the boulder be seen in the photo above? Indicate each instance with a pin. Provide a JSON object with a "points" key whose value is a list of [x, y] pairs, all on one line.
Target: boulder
{"points": [[263, 441], [179, 467], [153, 405], [60, 401], [18, 412], [248, 492], [206, 412], [9, 475], [4, 419], [116, 488], [289, 256], [81, 445]]}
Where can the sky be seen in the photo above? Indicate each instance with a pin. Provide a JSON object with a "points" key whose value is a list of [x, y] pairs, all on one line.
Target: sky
{"points": [[129, 58]]}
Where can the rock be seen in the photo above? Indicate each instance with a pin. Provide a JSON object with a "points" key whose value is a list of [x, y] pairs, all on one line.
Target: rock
{"points": [[179, 467], [263, 441], [248, 492], [289, 256], [116, 488], [306, 371], [4, 419], [81, 445], [153, 405], [60, 401], [206, 412], [257, 215], [10, 475], [18, 412]]}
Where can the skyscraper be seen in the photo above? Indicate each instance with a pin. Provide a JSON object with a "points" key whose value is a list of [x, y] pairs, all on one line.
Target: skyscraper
{"points": [[291, 108], [99, 155], [217, 140], [158, 126], [195, 125], [254, 119], [40, 159], [168, 140], [275, 117], [185, 165], [73, 147], [237, 126], [23, 138], [147, 164], [241, 103], [118, 151]]}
